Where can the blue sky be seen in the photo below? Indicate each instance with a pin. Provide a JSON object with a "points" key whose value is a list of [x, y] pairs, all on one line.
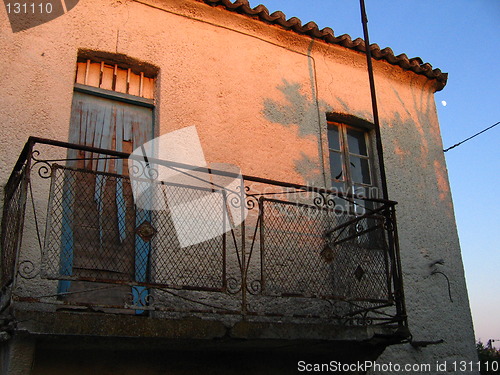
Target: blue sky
{"points": [[461, 38]]}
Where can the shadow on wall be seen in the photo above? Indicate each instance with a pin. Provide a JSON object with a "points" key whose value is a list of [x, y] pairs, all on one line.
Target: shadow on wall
{"points": [[421, 143], [308, 114], [411, 139], [305, 113]]}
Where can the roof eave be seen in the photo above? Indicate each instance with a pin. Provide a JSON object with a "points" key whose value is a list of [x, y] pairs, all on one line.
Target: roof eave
{"points": [[326, 34]]}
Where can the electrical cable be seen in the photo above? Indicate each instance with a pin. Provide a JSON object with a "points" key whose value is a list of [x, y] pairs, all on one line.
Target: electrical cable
{"points": [[475, 135]]}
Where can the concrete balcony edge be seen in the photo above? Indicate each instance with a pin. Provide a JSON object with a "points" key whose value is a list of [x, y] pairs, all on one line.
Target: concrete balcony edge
{"points": [[195, 333]]}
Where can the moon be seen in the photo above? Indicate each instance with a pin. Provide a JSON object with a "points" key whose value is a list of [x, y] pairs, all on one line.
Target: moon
{"points": [[443, 102]]}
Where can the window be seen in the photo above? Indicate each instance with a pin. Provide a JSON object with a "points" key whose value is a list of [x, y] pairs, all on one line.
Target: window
{"points": [[351, 161], [115, 78]]}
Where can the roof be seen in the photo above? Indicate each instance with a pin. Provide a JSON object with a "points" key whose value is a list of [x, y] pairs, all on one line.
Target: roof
{"points": [[311, 29]]}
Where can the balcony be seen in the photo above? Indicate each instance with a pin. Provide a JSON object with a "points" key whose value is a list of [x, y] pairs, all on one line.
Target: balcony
{"points": [[97, 237]]}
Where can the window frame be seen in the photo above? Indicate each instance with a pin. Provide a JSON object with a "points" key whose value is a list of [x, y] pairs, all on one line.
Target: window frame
{"points": [[345, 152], [114, 95]]}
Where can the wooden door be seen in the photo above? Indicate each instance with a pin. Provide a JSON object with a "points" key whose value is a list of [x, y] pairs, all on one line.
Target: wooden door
{"points": [[99, 219]]}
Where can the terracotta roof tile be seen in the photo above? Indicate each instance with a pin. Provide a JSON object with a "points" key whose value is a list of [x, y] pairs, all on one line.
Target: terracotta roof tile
{"points": [[414, 64]]}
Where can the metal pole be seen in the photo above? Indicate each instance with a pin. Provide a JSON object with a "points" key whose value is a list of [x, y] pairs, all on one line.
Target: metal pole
{"points": [[390, 214], [364, 20]]}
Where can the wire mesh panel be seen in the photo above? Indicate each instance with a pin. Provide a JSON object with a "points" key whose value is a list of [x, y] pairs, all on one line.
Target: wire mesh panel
{"points": [[11, 226], [293, 238], [82, 235], [201, 264], [303, 257], [358, 251], [95, 232]]}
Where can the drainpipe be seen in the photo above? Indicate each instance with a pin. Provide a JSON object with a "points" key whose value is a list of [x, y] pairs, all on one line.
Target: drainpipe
{"points": [[380, 153]]}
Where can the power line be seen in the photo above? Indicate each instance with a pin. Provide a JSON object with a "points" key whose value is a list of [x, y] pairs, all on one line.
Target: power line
{"points": [[475, 135]]}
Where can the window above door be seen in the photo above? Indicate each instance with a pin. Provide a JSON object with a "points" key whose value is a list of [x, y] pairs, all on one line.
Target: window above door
{"points": [[114, 77]]}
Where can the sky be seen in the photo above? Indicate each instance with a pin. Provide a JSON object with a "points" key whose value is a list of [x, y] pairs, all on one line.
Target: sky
{"points": [[461, 37]]}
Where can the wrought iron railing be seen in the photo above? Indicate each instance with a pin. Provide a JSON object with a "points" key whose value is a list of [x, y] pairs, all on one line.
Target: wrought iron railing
{"points": [[89, 227]]}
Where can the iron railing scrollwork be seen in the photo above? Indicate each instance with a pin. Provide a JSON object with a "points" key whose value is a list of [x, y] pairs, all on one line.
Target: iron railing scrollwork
{"points": [[15, 198], [271, 249]]}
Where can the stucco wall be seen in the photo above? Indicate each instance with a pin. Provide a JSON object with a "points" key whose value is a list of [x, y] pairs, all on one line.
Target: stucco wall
{"points": [[258, 96]]}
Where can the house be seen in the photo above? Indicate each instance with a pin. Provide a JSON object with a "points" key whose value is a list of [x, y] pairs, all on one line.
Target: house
{"points": [[195, 187]]}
